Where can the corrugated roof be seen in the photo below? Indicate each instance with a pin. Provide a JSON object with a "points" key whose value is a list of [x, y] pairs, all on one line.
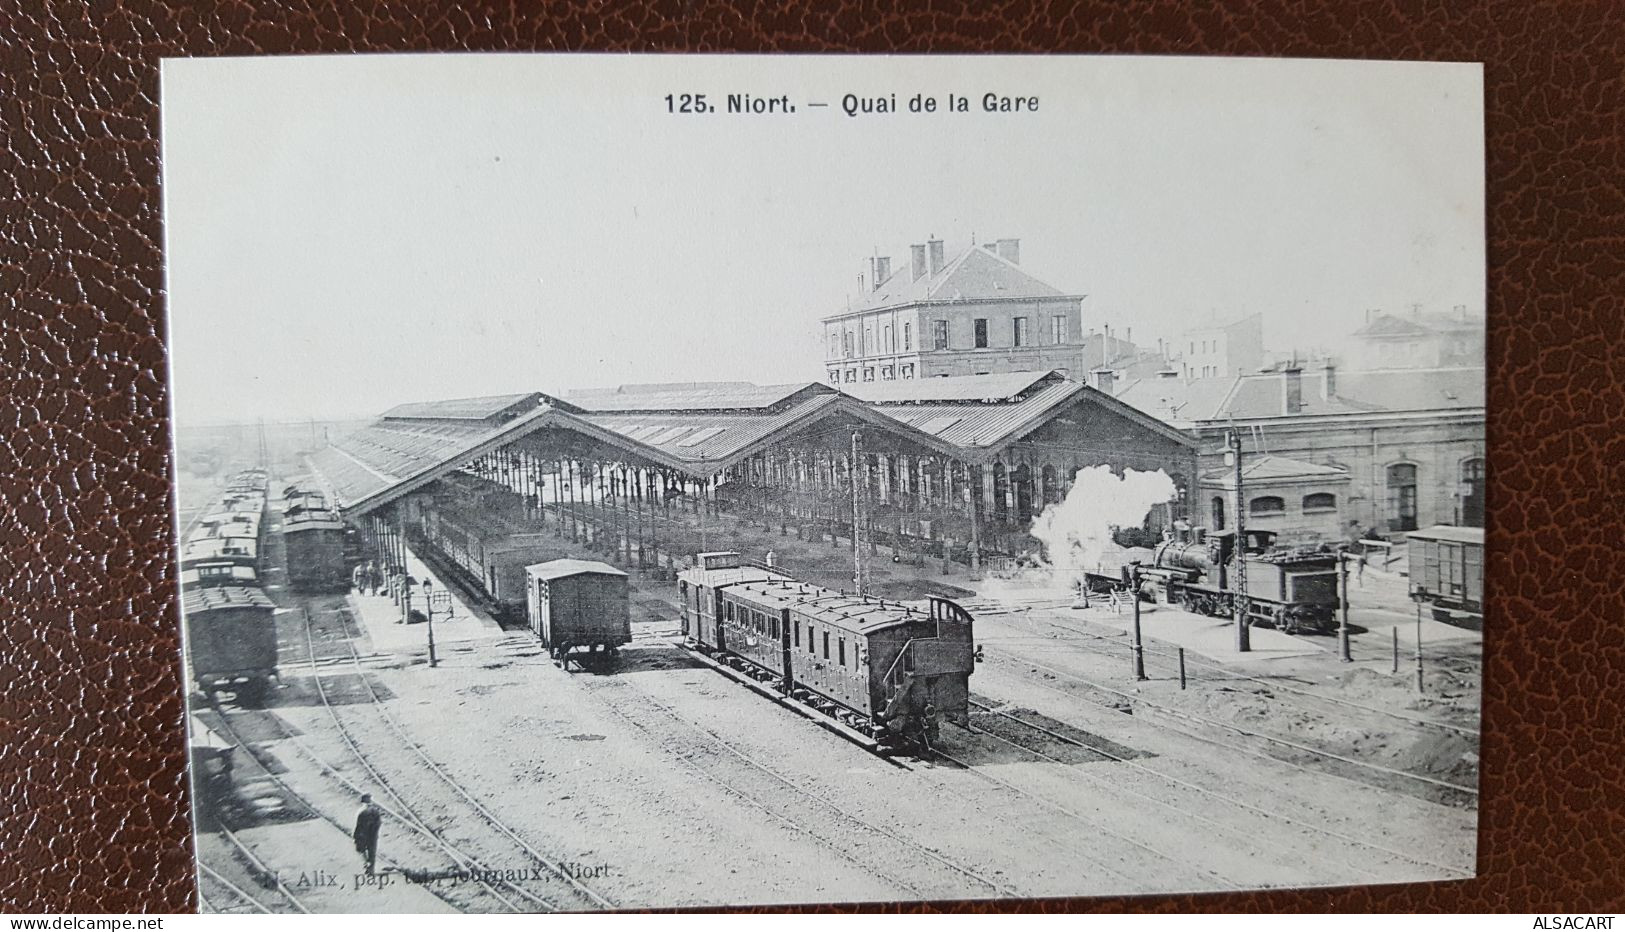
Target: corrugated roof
{"points": [[209, 598], [1393, 325], [712, 437], [480, 408], [1460, 535], [979, 424], [835, 609], [1265, 468], [1186, 403], [559, 569], [991, 387], [973, 274], [700, 396], [385, 460]]}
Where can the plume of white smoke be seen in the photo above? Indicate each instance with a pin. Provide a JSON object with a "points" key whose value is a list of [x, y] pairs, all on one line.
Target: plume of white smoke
{"points": [[1077, 531]]}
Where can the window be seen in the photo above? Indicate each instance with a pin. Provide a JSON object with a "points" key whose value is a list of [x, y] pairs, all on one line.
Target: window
{"points": [[868, 342], [908, 372], [851, 375], [811, 640], [887, 343], [1402, 497], [887, 373], [826, 645], [1018, 333], [869, 374], [1267, 505], [1057, 328], [846, 345], [796, 631], [835, 376], [1320, 501], [1472, 493], [841, 644], [1193, 347], [939, 334], [834, 346], [908, 337], [981, 333]]}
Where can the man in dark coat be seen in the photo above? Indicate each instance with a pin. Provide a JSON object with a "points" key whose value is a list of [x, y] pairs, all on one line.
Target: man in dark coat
{"points": [[367, 821]]}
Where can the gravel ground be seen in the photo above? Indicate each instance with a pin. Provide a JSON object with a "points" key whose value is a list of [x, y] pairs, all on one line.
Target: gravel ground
{"points": [[666, 784]]}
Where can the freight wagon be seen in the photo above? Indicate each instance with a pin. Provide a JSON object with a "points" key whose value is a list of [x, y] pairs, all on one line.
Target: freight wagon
{"points": [[579, 605], [1447, 570]]}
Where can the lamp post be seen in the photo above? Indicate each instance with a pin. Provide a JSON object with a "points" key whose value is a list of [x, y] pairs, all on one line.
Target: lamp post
{"points": [[1244, 641], [428, 613], [1139, 645], [1419, 596]]}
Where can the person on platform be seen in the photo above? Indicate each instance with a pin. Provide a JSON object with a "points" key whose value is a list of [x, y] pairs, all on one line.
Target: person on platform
{"points": [[373, 577], [367, 822], [358, 579]]}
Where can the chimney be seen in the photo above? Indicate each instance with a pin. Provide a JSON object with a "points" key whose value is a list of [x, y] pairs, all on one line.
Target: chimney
{"points": [[918, 249], [1294, 389], [1330, 386], [935, 246], [1103, 379], [882, 270], [1010, 251]]}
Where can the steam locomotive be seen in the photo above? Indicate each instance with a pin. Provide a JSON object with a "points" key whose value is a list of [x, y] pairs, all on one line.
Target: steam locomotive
{"points": [[1292, 589]]}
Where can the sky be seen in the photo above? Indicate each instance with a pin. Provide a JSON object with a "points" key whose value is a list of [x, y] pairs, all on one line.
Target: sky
{"points": [[345, 233]]}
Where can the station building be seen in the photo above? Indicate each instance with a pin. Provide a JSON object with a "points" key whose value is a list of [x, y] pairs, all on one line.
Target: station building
{"points": [[647, 476], [1410, 440]]}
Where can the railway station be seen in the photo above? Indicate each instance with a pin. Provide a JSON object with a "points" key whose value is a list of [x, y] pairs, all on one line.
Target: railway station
{"points": [[949, 469]]}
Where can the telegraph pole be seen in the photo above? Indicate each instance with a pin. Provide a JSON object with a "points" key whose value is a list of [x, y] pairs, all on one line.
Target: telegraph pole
{"points": [[1244, 642], [857, 547], [1343, 622]]}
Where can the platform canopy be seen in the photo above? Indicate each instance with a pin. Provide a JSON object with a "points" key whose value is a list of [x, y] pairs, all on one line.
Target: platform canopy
{"points": [[980, 415]]}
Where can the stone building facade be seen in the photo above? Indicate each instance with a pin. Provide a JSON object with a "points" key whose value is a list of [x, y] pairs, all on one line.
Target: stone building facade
{"points": [[975, 313]]}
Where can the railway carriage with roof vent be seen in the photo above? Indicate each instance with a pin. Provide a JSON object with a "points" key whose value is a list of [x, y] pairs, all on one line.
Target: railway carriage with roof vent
{"points": [[231, 640], [888, 671]]}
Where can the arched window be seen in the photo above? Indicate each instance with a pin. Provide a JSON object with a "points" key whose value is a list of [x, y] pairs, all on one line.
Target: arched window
{"points": [[1320, 501], [1218, 512], [1266, 505], [1472, 492], [1402, 497]]}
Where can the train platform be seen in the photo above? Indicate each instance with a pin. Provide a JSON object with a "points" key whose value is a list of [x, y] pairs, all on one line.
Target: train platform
{"points": [[382, 616]]}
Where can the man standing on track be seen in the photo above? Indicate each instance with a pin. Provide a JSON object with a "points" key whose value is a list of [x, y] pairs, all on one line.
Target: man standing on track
{"points": [[367, 821]]}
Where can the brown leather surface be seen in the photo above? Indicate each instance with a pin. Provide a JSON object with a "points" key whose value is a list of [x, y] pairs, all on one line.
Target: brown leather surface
{"points": [[92, 816]]}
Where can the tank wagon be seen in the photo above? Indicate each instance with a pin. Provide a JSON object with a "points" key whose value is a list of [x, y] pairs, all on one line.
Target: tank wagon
{"points": [[1447, 571], [576, 605], [889, 672], [231, 640], [1291, 589]]}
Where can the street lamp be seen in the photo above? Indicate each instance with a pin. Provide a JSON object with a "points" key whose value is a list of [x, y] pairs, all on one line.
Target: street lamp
{"points": [[1139, 646], [428, 613]]}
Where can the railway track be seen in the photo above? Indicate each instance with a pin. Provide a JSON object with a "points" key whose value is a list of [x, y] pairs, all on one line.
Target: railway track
{"points": [[1276, 683], [569, 893], [1370, 773], [1245, 834], [264, 875], [1208, 793], [405, 818], [884, 842], [248, 902]]}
